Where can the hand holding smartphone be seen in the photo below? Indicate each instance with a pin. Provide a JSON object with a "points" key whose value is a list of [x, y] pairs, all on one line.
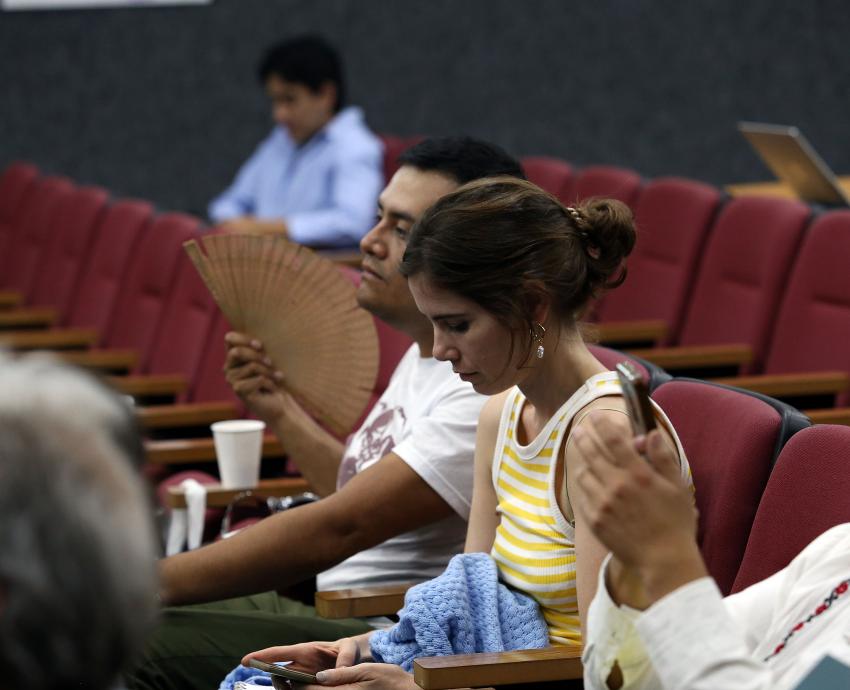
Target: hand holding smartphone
{"points": [[636, 393], [283, 672]]}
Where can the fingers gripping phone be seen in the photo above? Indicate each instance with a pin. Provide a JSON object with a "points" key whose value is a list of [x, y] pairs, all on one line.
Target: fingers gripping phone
{"points": [[283, 672], [636, 393]]}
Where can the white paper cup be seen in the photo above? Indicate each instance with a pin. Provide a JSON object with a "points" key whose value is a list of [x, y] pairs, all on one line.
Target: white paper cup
{"points": [[238, 448]]}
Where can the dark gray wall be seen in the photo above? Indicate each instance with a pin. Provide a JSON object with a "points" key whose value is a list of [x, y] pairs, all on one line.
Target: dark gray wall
{"points": [[162, 103]]}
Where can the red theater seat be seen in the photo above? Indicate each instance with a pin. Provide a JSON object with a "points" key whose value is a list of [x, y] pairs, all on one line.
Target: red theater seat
{"points": [[607, 181], [75, 222], [105, 269], [813, 328], [741, 280], [185, 326], [654, 375], [20, 267], [808, 353], [673, 217], [805, 496], [147, 285], [14, 183], [731, 438], [210, 384], [551, 174]]}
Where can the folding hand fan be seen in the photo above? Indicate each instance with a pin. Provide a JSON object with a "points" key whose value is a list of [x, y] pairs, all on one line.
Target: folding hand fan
{"points": [[305, 313]]}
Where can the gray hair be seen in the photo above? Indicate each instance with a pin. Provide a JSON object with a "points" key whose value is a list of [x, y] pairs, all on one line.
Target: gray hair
{"points": [[77, 548]]}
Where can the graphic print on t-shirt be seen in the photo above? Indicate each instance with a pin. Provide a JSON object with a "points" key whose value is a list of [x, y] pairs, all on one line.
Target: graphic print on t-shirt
{"points": [[374, 440]]}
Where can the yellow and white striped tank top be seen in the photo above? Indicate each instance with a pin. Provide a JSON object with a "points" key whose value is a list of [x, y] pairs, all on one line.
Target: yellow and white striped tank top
{"points": [[534, 547]]}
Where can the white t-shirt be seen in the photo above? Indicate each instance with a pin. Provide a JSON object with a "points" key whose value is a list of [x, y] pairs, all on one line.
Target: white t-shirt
{"points": [[428, 417], [693, 639]]}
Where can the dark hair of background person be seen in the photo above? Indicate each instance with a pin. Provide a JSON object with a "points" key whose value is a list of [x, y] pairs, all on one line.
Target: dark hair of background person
{"points": [[462, 158], [505, 244], [309, 60]]}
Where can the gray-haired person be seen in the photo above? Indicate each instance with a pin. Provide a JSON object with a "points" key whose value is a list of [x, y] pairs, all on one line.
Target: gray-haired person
{"points": [[77, 548]]}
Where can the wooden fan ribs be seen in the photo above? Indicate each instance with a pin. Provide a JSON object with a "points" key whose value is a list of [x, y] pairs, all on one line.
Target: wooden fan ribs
{"points": [[306, 314]]}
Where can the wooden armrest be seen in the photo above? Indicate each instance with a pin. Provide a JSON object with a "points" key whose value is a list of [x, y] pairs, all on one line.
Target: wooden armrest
{"points": [[836, 415], [778, 189], [361, 601], [151, 384], [218, 497], [38, 317], [187, 414], [503, 668], [198, 450], [789, 385], [651, 330], [9, 299], [691, 356], [103, 360], [60, 339]]}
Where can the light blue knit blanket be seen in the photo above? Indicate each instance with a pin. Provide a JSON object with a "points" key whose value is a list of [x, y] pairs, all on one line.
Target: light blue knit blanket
{"points": [[463, 611], [244, 674]]}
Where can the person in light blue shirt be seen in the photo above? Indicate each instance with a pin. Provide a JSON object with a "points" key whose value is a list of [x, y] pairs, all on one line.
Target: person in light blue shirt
{"points": [[315, 179]]}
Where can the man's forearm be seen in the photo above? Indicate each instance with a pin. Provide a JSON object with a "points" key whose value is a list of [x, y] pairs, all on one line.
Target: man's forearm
{"points": [[384, 500], [315, 451], [273, 554]]}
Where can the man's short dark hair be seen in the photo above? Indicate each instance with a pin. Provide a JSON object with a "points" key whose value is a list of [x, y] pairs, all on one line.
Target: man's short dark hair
{"points": [[308, 60], [461, 158]]}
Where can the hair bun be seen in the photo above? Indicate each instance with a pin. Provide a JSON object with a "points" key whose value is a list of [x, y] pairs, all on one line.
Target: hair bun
{"points": [[607, 228]]}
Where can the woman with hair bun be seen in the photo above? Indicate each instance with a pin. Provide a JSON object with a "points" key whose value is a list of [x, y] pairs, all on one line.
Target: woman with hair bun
{"points": [[504, 272]]}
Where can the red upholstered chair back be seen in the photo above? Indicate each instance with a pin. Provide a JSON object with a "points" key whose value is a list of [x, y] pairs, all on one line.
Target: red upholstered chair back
{"points": [[673, 217], [36, 230], [210, 385], [813, 326], [653, 374], [14, 183], [805, 496], [742, 273], [184, 329], [393, 147], [147, 285], [606, 181], [551, 174], [76, 222], [731, 438], [105, 268]]}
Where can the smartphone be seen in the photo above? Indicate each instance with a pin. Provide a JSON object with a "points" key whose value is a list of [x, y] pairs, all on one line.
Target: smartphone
{"points": [[283, 672], [636, 393]]}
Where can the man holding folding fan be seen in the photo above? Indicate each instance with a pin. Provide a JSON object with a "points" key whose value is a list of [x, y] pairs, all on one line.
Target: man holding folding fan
{"points": [[395, 497]]}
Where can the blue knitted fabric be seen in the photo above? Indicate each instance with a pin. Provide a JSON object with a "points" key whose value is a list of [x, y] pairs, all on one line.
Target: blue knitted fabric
{"points": [[247, 675], [463, 611]]}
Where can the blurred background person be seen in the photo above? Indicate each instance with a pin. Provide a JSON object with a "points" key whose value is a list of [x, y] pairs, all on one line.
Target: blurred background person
{"points": [[316, 177], [77, 576]]}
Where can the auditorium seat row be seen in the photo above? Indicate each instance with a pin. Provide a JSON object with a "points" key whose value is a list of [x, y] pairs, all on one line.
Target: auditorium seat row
{"points": [[704, 272]]}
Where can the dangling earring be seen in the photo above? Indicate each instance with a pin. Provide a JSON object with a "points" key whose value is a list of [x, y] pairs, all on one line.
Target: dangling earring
{"points": [[537, 334]]}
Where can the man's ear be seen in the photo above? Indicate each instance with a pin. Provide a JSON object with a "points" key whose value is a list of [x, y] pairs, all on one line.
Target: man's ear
{"points": [[329, 93]]}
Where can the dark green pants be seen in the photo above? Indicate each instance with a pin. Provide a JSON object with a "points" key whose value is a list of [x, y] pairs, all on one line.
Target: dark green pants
{"points": [[195, 647]]}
